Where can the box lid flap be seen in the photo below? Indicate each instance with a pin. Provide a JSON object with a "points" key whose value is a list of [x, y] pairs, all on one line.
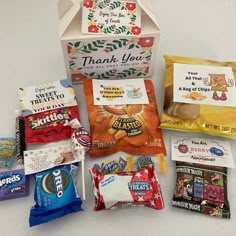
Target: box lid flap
{"points": [[68, 10], [147, 6]]}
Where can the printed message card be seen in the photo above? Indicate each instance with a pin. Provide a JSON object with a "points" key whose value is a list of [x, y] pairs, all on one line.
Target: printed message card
{"points": [[202, 151], [111, 17], [47, 96], [119, 92], [43, 159], [210, 85]]}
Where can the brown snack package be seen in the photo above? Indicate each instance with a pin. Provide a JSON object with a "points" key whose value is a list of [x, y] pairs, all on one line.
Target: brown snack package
{"points": [[129, 128]]}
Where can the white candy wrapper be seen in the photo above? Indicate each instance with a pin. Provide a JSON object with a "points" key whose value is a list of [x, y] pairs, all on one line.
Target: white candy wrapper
{"points": [[80, 144]]}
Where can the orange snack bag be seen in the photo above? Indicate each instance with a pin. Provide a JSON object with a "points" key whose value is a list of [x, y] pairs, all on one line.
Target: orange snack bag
{"points": [[129, 128]]}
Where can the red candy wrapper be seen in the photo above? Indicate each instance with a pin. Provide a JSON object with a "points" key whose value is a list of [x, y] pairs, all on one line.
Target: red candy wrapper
{"points": [[126, 189], [50, 126]]}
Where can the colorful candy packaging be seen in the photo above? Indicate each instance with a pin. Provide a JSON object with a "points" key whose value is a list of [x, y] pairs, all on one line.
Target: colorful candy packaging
{"points": [[13, 182], [55, 195], [121, 184], [201, 182], [119, 123], [7, 152], [47, 109], [200, 95]]}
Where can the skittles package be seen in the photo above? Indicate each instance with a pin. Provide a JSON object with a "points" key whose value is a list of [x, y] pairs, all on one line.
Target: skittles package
{"points": [[200, 96], [123, 116], [55, 194]]}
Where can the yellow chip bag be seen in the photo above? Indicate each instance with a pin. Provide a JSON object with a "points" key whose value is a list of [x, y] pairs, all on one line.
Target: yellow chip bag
{"points": [[200, 96]]}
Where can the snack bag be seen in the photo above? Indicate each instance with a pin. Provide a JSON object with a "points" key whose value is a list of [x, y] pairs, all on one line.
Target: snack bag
{"points": [[202, 188], [201, 181], [50, 126], [55, 195], [200, 96], [132, 128]]}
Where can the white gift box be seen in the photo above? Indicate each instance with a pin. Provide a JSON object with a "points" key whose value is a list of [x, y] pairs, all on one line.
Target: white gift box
{"points": [[107, 56]]}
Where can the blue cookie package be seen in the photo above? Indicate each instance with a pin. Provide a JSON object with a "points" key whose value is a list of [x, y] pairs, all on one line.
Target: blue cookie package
{"points": [[55, 194]]}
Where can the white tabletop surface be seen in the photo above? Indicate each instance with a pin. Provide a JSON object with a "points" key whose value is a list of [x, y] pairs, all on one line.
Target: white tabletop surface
{"points": [[30, 53]]}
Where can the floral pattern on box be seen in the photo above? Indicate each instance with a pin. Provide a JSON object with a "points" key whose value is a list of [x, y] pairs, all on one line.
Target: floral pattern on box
{"points": [[109, 58], [112, 17]]}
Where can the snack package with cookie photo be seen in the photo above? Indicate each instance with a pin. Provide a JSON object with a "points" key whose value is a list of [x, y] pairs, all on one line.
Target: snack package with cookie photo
{"points": [[132, 128], [56, 194], [200, 96]]}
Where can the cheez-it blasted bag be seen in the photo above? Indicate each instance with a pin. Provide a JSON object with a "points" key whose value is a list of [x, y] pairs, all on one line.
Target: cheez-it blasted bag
{"points": [[200, 96], [132, 128]]}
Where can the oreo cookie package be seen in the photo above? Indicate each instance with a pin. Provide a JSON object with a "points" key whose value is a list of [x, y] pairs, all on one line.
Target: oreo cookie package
{"points": [[55, 194]]}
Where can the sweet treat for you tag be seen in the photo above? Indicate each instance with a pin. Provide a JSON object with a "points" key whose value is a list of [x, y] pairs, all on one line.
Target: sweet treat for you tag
{"points": [[116, 92], [201, 84], [202, 151], [111, 17]]}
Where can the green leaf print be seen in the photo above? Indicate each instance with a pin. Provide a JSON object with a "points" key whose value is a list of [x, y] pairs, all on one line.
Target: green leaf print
{"points": [[121, 29], [77, 44], [115, 4]]}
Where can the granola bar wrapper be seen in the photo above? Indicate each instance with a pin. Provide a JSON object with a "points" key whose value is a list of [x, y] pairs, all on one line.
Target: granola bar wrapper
{"points": [[206, 97], [129, 128]]}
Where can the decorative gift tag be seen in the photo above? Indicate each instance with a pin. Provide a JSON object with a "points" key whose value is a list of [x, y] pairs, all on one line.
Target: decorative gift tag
{"points": [[47, 96], [116, 92], [200, 84], [202, 151], [111, 17], [43, 159]]}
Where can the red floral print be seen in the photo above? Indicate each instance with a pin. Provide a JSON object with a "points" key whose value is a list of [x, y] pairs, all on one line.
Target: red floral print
{"points": [[88, 3], [146, 70], [93, 29], [69, 49], [130, 6], [136, 30], [146, 42], [78, 77]]}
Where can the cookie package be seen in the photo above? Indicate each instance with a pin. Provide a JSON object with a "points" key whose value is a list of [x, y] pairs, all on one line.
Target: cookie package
{"points": [[120, 119], [200, 96], [201, 169]]}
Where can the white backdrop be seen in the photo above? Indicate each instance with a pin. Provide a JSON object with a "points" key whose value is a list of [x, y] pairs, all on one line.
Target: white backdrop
{"points": [[30, 53]]}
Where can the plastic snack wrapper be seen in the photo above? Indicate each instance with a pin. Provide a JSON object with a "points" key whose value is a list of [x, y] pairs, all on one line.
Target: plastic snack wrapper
{"points": [[200, 96], [81, 143], [50, 126], [13, 182], [56, 194], [124, 183], [132, 128], [201, 181], [202, 188]]}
